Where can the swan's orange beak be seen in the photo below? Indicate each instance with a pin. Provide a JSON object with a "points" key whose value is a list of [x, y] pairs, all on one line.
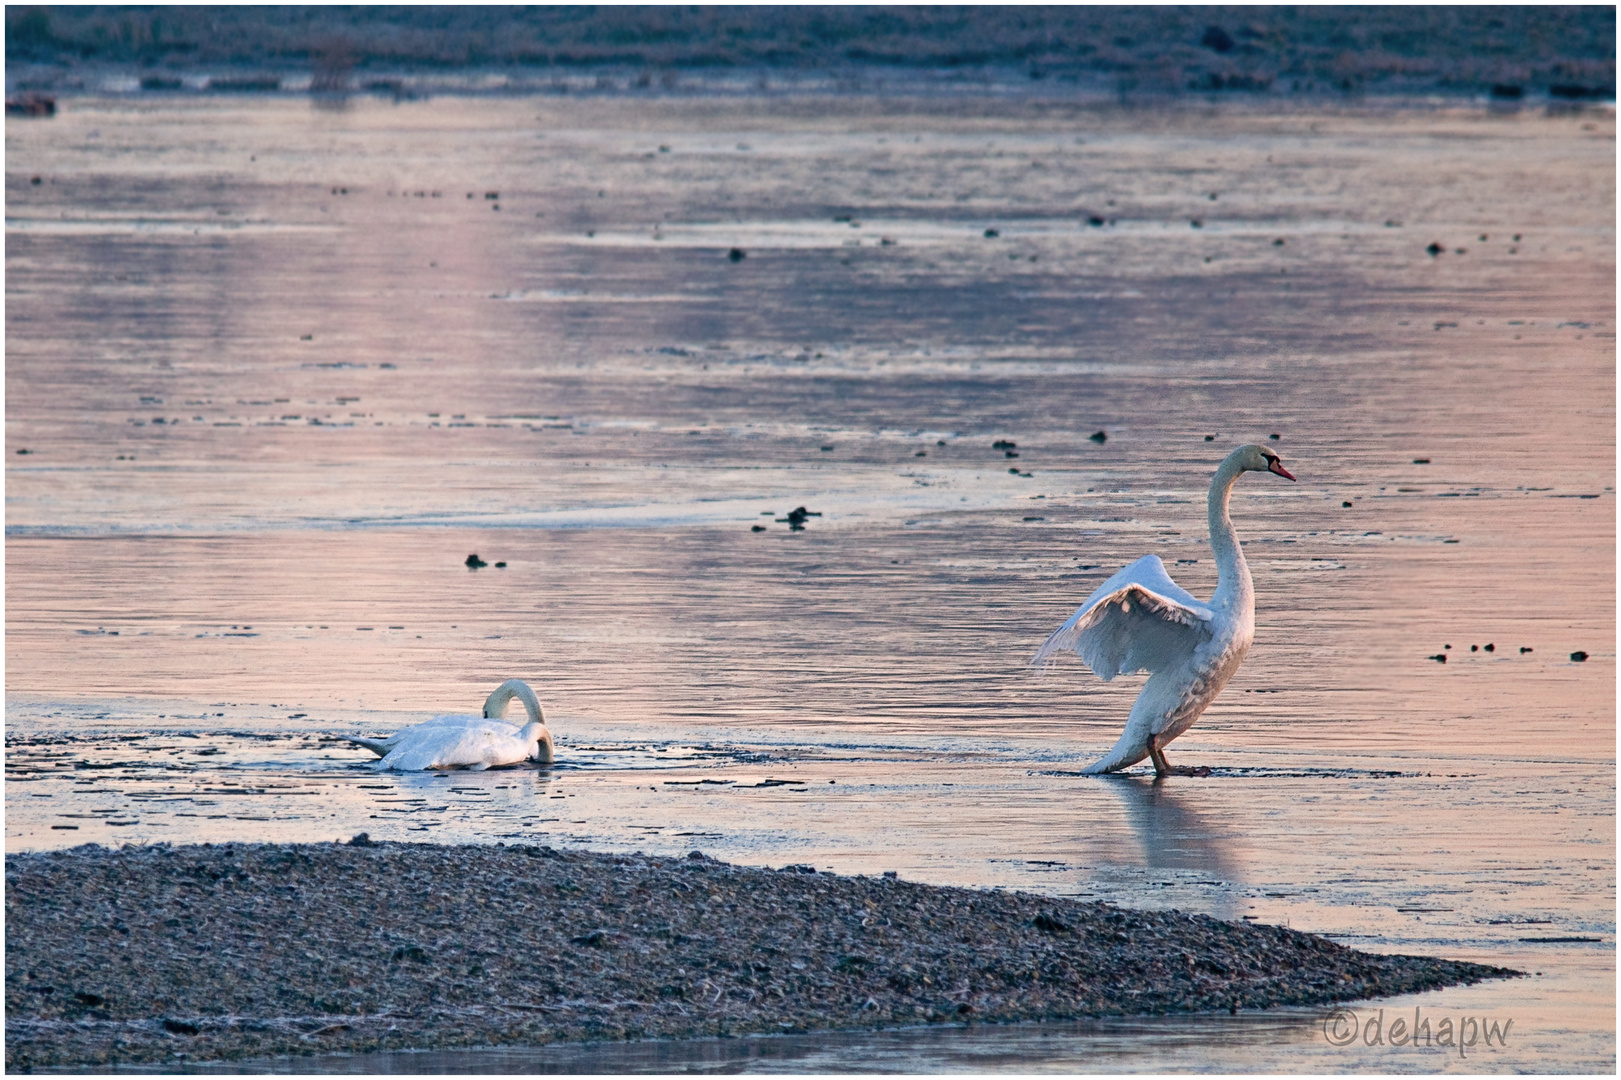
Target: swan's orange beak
{"points": [[1277, 467]]}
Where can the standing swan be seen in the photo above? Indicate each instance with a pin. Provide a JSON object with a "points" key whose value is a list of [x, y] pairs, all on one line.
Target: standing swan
{"points": [[1141, 620], [472, 742]]}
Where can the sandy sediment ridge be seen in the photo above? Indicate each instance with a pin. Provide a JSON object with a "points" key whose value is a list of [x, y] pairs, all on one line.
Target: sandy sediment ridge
{"points": [[219, 952]]}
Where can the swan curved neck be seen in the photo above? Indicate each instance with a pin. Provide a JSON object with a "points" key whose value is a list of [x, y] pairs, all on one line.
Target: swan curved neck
{"points": [[1232, 574], [496, 704]]}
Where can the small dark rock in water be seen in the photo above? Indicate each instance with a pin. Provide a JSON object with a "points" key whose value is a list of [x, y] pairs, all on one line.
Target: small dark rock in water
{"points": [[1095, 221], [1578, 656], [362, 840], [1421, 461], [1004, 444], [1490, 647], [25, 451], [796, 517], [757, 528], [827, 449], [1441, 657], [1278, 242], [1525, 649], [474, 562], [1508, 91], [1346, 504], [1209, 438], [737, 255], [921, 453], [1274, 436], [1196, 223], [500, 566], [1099, 437], [1434, 250], [991, 234], [1010, 453], [1474, 648]]}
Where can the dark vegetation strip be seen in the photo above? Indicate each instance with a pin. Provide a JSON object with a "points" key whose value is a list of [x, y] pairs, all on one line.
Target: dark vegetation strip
{"points": [[141, 954], [1214, 48]]}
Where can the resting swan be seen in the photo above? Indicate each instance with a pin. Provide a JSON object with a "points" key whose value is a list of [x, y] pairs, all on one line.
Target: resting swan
{"points": [[1140, 620], [472, 742]]}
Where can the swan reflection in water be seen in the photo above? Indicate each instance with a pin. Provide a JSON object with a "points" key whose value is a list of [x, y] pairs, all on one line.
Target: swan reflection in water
{"points": [[1173, 835]]}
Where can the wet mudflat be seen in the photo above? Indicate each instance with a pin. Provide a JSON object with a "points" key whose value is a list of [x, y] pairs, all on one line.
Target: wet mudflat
{"points": [[277, 376]]}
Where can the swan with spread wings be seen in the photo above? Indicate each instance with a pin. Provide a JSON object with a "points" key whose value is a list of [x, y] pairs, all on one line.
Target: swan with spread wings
{"points": [[1141, 620]]}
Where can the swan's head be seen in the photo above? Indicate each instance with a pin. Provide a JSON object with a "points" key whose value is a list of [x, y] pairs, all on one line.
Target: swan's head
{"points": [[1253, 458], [537, 734]]}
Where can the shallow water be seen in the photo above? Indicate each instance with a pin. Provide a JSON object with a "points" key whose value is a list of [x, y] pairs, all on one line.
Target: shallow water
{"points": [[272, 397]]}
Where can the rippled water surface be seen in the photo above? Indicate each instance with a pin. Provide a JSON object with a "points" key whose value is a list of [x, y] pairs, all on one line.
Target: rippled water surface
{"points": [[274, 372]]}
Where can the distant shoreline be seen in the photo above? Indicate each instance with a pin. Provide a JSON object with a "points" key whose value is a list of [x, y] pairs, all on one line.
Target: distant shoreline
{"points": [[261, 85], [154, 954], [1510, 53]]}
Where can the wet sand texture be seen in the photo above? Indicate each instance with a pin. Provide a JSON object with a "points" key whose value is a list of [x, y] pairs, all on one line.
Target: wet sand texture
{"points": [[142, 954]]}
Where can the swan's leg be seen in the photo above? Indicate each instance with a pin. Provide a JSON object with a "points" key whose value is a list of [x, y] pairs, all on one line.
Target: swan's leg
{"points": [[1165, 768], [1161, 766]]}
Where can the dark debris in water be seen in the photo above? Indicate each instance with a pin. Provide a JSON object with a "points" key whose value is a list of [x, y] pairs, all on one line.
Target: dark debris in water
{"points": [[1259, 772], [395, 946]]}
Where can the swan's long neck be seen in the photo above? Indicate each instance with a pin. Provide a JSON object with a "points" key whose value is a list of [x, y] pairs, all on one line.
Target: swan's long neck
{"points": [[513, 688], [1233, 586]]}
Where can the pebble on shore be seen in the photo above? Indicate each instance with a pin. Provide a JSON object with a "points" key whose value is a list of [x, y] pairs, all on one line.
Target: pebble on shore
{"points": [[146, 954]]}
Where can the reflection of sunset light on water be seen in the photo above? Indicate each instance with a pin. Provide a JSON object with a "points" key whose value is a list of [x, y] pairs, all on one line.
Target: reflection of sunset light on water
{"points": [[266, 424]]}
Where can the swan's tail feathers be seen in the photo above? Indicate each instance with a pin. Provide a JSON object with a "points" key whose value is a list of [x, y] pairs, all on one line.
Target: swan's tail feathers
{"points": [[380, 747]]}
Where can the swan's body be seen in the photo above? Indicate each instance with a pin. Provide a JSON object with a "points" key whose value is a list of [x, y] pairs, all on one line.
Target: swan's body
{"points": [[469, 742], [1141, 620]]}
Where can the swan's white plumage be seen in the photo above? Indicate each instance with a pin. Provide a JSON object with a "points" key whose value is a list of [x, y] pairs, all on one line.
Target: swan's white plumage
{"points": [[469, 742], [1141, 620], [1138, 620]]}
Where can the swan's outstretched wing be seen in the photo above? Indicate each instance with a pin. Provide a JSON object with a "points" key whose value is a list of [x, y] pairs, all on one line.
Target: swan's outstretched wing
{"points": [[1138, 620]]}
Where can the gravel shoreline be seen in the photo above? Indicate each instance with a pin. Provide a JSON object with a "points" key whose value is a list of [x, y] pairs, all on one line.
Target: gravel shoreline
{"points": [[148, 954]]}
